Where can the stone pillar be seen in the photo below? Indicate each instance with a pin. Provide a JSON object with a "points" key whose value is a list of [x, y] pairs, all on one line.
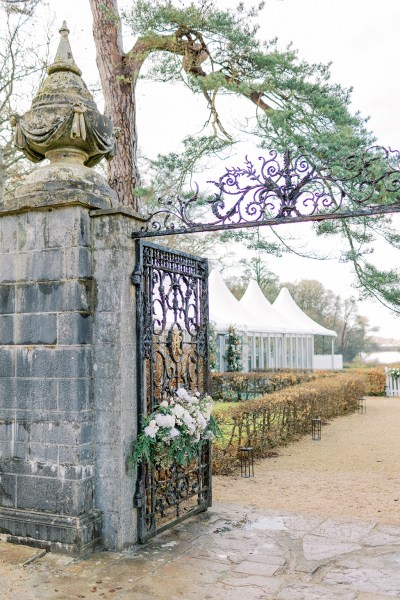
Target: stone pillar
{"points": [[67, 331], [114, 373], [46, 407]]}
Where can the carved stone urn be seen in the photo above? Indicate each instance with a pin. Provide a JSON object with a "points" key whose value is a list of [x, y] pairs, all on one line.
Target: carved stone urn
{"points": [[65, 127]]}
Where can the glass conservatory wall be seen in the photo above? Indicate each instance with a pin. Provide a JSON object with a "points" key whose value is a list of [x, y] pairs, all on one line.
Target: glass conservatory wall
{"points": [[280, 352], [220, 358], [287, 352], [250, 353], [258, 356], [263, 352], [272, 358], [267, 351]]}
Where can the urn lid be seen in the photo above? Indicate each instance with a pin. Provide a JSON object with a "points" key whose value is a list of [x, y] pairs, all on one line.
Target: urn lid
{"points": [[63, 116], [64, 60]]}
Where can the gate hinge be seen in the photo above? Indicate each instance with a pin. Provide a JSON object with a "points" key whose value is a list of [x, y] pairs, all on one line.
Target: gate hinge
{"points": [[136, 277], [138, 497]]}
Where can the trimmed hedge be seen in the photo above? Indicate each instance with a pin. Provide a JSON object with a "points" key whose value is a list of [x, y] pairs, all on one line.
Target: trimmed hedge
{"points": [[235, 387], [279, 418], [375, 380]]}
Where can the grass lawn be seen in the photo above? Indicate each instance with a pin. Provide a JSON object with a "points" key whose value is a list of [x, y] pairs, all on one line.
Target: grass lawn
{"points": [[225, 406]]}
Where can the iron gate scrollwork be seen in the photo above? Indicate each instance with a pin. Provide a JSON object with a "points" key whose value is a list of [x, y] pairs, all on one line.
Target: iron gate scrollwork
{"points": [[172, 351], [288, 188]]}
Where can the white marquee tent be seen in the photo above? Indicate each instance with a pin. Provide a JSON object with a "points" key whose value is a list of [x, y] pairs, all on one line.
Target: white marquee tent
{"points": [[225, 309], [273, 336], [285, 304]]}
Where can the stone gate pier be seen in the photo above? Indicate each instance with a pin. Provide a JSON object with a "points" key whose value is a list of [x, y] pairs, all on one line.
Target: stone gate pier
{"points": [[67, 331]]}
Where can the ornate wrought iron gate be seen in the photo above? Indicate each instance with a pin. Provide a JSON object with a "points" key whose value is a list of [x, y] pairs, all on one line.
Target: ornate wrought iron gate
{"points": [[172, 302], [172, 351]]}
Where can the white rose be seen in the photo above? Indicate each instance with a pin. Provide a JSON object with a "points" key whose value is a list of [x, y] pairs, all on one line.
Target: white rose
{"points": [[201, 421], [178, 410], [182, 394], [189, 422], [151, 431], [165, 420], [173, 433], [164, 403], [171, 421], [187, 418]]}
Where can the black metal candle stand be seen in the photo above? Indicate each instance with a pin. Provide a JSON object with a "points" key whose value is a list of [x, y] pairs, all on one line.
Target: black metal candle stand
{"points": [[246, 455], [316, 429]]}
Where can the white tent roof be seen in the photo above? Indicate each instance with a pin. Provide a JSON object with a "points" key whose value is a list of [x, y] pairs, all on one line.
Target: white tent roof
{"points": [[289, 309], [255, 314], [226, 310], [270, 319]]}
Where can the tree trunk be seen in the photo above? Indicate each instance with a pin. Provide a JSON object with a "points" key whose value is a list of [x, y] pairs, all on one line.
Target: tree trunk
{"points": [[119, 97]]}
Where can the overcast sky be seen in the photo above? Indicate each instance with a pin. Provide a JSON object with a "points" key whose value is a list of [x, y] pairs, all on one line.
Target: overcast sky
{"points": [[359, 37]]}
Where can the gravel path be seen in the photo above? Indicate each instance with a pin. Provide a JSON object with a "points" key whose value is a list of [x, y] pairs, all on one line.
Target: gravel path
{"points": [[353, 471]]}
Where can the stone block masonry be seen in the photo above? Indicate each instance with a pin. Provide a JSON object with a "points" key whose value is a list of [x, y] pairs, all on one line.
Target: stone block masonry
{"points": [[67, 331], [47, 442], [68, 406], [114, 374]]}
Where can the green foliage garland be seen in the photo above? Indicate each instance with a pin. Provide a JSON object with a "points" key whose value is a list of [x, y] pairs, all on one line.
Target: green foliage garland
{"points": [[213, 350], [233, 355]]}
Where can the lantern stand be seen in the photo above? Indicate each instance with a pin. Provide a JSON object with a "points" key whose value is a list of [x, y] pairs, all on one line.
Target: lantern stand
{"points": [[246, 454], [316, 429], [362, 405]]}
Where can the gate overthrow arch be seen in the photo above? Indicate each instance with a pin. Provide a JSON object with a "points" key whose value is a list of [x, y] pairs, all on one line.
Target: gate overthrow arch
{"points": [[285, 189]]}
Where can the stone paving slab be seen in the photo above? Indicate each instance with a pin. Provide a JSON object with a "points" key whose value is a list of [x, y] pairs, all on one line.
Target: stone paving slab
{"points": [[228, 553], [316, 547], [383, 535], [348, 530], [384, 581], [308, 591]]}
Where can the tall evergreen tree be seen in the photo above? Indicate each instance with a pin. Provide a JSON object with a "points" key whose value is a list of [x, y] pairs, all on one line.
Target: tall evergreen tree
{"points": [[291, 104]]}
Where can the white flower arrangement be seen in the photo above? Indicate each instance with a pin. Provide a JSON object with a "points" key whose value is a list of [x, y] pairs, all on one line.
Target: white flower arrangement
{"points": [[176, 430], [395, 373]]}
